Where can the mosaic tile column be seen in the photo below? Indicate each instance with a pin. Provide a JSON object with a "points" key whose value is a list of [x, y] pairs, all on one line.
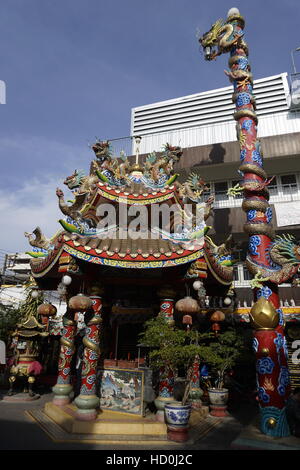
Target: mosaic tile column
{"points": [[271, 363], [88, 402], [63, 387], [272, 367], [195, 393]]}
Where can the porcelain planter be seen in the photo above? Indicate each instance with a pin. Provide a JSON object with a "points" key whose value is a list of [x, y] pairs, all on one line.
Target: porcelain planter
{"points": [[218, 396], [160, 403], [177, 418], [177, 415]]}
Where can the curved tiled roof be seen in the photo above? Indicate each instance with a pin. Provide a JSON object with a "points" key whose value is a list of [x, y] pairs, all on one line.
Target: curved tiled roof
{"points": [[135, 193], [118, 252]]}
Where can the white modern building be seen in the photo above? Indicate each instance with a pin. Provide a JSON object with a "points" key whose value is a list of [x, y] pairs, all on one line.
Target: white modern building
{"points": [[203, 125]]}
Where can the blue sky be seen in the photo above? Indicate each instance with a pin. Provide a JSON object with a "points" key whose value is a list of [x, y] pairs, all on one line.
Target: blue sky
{"points": [[75, 68]]}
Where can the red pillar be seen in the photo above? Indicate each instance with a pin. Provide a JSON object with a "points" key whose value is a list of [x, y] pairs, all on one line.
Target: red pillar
{"points": [[166, 374], [63, 387], [87, 402]]}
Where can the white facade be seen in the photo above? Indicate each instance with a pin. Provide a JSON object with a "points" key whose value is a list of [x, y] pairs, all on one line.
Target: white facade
{"points": [[207, 118], [14, 296]]}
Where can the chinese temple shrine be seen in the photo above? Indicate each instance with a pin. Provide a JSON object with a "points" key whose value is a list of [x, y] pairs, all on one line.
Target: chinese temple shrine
{"points": [[134, 243], [123, 273]]}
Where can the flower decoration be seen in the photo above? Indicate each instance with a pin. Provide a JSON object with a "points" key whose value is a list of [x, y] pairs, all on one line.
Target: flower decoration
{"points": [[262, 395], [265, 365], [255, 344], [243, 63], [251, 214], [265, 292], [247, 124], [91, 379], [283, 380], [281, 320], [254, 242], [269, 214], [279, 342], [243, 99], [256, 157], [243, 154]]}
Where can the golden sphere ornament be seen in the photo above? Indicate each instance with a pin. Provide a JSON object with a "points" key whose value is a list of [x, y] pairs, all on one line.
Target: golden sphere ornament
{"points": [[272, 423], [263, 315]]}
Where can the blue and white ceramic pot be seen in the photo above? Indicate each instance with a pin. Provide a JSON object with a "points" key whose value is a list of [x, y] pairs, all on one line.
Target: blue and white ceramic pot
{"points": [[177, 415]]}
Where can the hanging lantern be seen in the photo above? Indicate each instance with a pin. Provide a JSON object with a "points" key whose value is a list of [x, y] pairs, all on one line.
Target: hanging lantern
{"points": [[46, 310], [66, 280], [216, 318], [187, 305], [35, 293], [197, 285], [216, 328], [227, 301], [80, 303], [187, 320]]}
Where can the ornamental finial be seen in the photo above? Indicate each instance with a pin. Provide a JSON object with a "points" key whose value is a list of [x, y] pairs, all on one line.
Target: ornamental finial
{"points": [[233, 11]]}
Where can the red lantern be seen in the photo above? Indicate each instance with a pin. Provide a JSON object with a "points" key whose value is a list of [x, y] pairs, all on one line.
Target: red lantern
{"points": [[47, 310], [80, 303], [216, 318], [216, 328], [187, 320]]}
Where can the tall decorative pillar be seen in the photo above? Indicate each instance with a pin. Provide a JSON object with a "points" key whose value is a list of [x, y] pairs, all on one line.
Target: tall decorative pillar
{"points": [[228, 37], [166, 374], [271, 367], [87, 401], [166, 307], [195, 392], [63, 387]]}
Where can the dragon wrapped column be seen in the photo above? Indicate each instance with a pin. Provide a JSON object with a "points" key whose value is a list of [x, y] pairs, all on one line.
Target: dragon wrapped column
{"points": [[269, 341], [87, 402], [271, 367], [63, 387]]}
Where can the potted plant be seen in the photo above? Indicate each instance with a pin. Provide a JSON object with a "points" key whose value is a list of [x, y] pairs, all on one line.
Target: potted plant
{"points": [[226, 348], [173, 348]]}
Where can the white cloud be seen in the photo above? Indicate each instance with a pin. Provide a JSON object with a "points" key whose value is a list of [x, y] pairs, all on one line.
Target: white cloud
{"points": [[32, 201], [40, 209]]}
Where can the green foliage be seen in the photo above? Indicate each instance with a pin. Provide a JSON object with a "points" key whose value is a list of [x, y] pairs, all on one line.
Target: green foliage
{"points": [[9, 317], [174, 347], [225, 350]]}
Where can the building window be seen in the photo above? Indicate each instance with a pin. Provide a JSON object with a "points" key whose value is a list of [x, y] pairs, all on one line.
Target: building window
{"points": [[272, 187], [246, 274], [221, 189], [289, 184]]}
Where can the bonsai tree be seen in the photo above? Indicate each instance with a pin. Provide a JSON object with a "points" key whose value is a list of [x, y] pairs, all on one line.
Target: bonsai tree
{"points": [[224, 351], [173, 348]]}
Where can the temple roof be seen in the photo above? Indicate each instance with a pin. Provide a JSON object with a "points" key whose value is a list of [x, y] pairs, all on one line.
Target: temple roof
{"points": [[31, 323], [118, 252], [30, 328], [136, 193], [120, 184]]}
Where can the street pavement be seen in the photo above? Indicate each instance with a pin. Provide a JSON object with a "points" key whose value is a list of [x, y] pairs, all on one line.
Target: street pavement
{"points": [[20, 432]]}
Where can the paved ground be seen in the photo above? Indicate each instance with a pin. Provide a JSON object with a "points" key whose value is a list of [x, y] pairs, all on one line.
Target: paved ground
{"points": [[19, 432]]}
